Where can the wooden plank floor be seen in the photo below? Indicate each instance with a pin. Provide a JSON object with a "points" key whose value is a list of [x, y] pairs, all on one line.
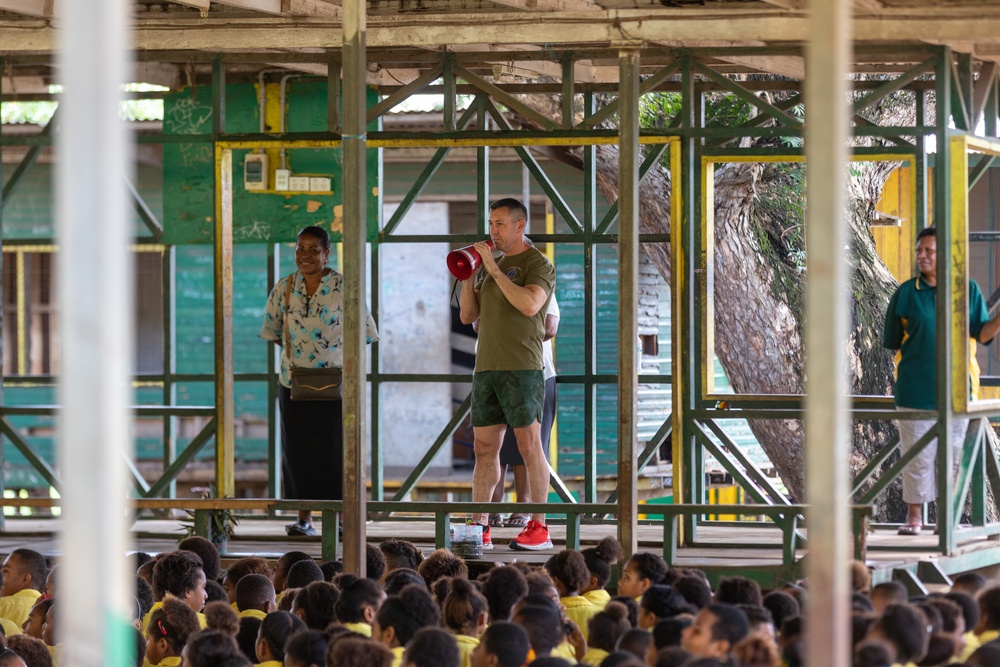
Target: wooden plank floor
{"points": [[720, 550]]}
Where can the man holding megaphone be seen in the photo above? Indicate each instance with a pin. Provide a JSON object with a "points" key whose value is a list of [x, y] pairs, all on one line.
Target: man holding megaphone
{"points": [[509, 297]]}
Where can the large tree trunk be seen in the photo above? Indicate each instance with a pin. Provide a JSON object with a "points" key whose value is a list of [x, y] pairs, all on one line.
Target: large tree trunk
{"points": [[759, 300]]}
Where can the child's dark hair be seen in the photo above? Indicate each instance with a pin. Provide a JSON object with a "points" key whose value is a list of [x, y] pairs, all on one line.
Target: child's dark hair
{"points": [[731, 623], [246, 638], [276, 628], [970, 582], [400, 554], [539, 582], [254, 591], [508, 642], [396, 580], [442, 563], [905, 627], [949, 611], [599, 559], [543, 625], [738, 590], [175, 622], [177, 573], [35, 653], [782, 606], [331, 569], [663, 601], [355, 595], [137, 559], [307, 647], [374, 562], [408, 611], [462, 607], [220, 616], [570, 569], [303, 573], [211, 648], [989, 608], [503, 587], [283, 565], [636, 641], [695, 590], [607, 626], [668, 632], [249, 565], [970, 610], [672, 656], [756, 649], [432, 647], [892, 591], [631, 605], [214, 592], [210, 560], [318, 601], [757, 616], [358, 652], [873, 653], [649, 566]]}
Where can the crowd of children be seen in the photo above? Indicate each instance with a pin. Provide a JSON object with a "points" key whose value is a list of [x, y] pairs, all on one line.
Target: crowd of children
{"points": [[417, 611]]}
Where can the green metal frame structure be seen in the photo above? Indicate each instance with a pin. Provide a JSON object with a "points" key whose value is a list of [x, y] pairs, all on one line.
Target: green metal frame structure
{"points": [[689, 147]]}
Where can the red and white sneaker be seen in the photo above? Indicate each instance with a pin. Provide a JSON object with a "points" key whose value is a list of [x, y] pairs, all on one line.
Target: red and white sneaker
{"points": [[534, 537]]}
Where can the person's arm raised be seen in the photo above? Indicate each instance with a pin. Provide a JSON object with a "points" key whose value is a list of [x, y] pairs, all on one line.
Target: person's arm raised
{"points": [[528, 299]]}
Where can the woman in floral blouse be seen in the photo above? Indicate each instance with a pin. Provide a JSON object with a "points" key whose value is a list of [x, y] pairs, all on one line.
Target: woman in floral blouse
{"points": [[311, 431]]}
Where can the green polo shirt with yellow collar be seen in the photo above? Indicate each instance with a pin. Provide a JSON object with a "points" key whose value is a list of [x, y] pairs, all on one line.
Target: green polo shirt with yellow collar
{"points": [[911, 329]]}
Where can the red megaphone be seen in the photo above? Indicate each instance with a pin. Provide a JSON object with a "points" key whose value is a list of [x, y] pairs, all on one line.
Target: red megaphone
{"points": [[463, 262]]}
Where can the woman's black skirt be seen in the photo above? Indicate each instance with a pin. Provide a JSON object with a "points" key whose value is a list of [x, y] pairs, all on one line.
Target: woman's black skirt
{"points": [[312, 448]]}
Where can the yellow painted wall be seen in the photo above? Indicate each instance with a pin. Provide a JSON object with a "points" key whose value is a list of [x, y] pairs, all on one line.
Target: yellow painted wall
{"points": [[894, 243]]}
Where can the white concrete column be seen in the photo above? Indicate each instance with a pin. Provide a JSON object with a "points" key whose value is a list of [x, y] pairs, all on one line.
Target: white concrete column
{"points": [[827, 423], [96, 306]]}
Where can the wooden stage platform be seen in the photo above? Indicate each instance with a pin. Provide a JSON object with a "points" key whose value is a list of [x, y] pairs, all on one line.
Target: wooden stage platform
{"points": [[753, 551]]}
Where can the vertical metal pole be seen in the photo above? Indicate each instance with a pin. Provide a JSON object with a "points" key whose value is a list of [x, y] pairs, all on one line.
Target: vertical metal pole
{"points": [[168, 271], [483, 173], [273, 432], [225, 455], [333, 96], [826, 422], [95, 275], [628, 295], [354, 287], [685, 324], [377, 432], [448, 79], [589, 314], [945, 307]]}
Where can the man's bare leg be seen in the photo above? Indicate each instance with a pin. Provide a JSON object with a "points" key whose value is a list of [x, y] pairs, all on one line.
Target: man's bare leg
{"points": [[529, 443], [486, 474]]}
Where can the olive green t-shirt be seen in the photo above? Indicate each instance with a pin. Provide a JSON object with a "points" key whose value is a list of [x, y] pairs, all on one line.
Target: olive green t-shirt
{"points": [[509, 341]]}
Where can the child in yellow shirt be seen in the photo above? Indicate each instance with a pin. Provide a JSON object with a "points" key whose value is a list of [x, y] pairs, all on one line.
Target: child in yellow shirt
{"points": [[275, 630], [464, 613], [168, 631], [599, 560], [358, 603], [570, 574]]}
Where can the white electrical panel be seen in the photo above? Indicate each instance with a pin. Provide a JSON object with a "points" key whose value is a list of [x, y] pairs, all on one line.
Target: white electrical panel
{"points": [[255, 172], [319, 184], [298, 183], [281, 178]]}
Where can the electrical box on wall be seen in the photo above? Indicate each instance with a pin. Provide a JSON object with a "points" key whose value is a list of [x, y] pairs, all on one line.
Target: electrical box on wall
{"points": [[281, 178], [255, 172]]}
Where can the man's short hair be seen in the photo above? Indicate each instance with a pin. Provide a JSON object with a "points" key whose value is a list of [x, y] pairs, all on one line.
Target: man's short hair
{"points": [[515, 209], [926, 231], [34, 564]]}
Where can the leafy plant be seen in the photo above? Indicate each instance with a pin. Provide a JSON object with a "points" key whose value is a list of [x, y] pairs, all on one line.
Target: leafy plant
{"points": [[222, 522]]}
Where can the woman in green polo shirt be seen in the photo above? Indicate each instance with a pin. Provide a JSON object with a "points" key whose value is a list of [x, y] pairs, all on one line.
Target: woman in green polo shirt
{"points": [[911, 329]]}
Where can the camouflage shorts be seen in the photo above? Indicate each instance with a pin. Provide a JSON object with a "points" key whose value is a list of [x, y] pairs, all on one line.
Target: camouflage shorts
{"points": [[514, 398]]}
